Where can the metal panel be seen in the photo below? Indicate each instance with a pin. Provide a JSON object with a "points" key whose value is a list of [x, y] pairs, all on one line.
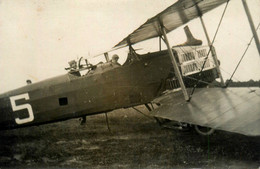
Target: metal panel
{"points": [[232, 109], [191, 59], [171, 18]]}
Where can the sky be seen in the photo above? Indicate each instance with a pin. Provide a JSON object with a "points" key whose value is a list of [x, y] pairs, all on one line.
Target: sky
{"points": [[38, 38]]}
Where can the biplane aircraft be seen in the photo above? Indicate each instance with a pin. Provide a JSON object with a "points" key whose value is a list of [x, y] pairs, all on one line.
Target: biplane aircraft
{"points": [[176, 80]]}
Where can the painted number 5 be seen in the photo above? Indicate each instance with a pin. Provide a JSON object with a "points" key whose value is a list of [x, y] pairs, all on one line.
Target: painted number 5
{"points": [[21, 107]]}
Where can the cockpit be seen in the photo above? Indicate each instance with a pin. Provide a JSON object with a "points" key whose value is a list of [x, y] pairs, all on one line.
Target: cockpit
{"points": [[82, 69]]}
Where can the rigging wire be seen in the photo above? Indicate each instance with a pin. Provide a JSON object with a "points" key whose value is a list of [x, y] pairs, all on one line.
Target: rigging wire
{"points": [[187, 77], [205, 59], [191, 78], [181, 47], [220, 22], [211, 48], [250, 90], [228, 82]]}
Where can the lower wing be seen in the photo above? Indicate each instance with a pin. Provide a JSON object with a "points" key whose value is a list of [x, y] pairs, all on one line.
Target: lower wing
{"points": [[230, 109]]}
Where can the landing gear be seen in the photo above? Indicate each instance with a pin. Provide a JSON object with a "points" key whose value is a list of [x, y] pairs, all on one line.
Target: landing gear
{"points": [[205, 131], [177, 126], [166, 123]]}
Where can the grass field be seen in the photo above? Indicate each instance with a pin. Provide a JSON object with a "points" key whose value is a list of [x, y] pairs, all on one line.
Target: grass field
{"points": [[135, 141]]}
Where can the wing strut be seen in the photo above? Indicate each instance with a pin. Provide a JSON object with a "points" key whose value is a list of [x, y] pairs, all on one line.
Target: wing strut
{"points": [[211, 48], [175, 66], [210, 44], [251, 25]]}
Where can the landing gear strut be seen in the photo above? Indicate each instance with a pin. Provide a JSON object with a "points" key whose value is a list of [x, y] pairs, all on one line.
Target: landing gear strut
{"points": [[82, 120]]}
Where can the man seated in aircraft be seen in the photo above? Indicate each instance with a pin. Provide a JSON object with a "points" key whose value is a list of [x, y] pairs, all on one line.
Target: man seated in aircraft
{"points": [[114, 60], [73, 68], [28, 82], [73, 65]]}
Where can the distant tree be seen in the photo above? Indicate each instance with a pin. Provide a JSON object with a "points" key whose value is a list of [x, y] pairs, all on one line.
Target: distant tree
{"points": [[250, 83]]}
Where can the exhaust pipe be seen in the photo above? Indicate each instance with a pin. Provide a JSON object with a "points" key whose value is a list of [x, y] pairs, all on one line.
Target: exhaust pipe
{"points": [[191, 41]]}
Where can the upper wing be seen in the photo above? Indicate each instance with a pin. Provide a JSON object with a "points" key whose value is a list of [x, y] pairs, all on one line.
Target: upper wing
{"points": [[232, 109], [174, 16]]}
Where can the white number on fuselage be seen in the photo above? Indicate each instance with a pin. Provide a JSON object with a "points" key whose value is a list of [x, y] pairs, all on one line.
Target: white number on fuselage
{"points": [[21, 107]]}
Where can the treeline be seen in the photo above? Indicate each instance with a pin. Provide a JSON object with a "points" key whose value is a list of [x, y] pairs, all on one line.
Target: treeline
{"points": [[250, 83]]}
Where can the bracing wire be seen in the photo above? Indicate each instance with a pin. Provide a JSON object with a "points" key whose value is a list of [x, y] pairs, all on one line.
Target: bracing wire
{"points": [[220, 22], [211, 47], [228, 82]]}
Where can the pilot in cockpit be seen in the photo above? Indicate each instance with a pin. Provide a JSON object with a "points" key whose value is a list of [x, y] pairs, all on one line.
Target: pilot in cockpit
{"points": [[114, 60], [73, 65], [73, 68]]}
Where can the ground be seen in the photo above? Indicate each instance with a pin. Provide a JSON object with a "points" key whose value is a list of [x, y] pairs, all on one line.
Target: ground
{"points": [[134, 141]]}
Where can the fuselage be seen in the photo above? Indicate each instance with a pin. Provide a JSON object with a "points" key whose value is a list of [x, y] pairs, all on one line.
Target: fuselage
{"points": [[106, 88]]}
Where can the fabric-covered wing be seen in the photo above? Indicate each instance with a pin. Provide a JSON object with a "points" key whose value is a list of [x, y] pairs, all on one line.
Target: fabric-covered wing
{"points": [[232, 109], [174, 16]]}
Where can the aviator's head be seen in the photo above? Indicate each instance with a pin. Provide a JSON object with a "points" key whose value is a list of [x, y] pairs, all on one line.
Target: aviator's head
{"points": [[73, 64], [115, 58]]}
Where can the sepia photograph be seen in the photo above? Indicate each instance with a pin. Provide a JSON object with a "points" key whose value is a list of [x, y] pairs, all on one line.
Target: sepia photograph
{"points": [[130, 84]]}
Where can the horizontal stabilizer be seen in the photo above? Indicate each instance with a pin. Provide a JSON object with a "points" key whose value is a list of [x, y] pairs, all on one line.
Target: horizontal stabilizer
{"points": [[230, 109]]}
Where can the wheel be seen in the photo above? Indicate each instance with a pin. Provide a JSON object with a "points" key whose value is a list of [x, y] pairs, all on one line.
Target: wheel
{"points": [[205, 131]]}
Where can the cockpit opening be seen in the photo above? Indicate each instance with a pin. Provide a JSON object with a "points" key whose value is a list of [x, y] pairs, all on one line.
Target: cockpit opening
{"points": [[82, 69]]}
